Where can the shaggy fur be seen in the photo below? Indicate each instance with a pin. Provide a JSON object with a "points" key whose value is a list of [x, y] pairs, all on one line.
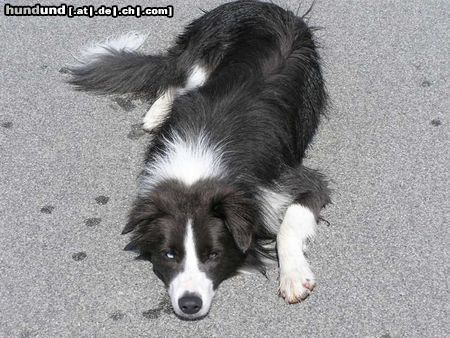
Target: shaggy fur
{"points": [[226, 157]]}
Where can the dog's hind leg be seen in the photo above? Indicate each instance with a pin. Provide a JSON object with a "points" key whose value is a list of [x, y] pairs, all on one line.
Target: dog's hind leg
{"points": [[298, 225], [162, 106], [159, 109]]}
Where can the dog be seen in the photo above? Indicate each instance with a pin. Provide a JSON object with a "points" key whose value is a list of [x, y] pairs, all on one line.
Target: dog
{"points": [[239, 97]]}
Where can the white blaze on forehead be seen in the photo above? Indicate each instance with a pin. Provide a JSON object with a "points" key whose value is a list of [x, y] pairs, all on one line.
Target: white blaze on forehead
{"points": [[187, 159], [191, 279], [191, 260]]}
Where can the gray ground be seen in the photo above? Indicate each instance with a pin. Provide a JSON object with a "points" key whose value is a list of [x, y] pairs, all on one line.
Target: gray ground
{"points": [[382, 264]]}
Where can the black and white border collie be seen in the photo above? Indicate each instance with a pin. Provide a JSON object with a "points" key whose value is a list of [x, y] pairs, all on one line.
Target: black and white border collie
{"points": [[238, 99]]}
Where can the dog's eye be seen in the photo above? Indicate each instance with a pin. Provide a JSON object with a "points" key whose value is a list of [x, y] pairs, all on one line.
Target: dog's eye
{"points": [[169, 254], [212, 255]]}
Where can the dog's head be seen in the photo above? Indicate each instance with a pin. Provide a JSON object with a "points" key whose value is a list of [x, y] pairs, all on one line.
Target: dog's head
{"points": [[195, 237]]}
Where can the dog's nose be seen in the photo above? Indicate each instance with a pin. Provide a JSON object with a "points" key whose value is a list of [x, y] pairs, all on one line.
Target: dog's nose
{"points": [[190, 304]]}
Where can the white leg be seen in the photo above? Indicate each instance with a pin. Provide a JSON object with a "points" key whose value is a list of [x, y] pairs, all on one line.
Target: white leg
{"points": [[296, 277], [162, 106], [159, 110]]}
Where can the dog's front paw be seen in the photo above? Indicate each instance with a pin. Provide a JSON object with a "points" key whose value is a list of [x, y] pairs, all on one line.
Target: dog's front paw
{"points": [[296, 284]]}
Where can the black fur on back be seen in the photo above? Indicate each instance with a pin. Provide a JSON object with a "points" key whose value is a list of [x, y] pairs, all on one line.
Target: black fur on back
{"points": [[265, 95]]}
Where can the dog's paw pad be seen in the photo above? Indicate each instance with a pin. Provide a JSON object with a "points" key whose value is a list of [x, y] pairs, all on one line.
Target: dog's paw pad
{"points": [[296, 285]]}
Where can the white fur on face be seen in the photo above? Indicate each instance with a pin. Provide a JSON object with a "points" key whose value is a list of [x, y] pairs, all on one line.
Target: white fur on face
{"points": [[186, 160], [296, 277], [191, 279], [162, 106], [129, 42]]}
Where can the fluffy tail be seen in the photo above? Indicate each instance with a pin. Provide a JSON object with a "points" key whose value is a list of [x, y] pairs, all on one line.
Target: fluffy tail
{"points": [[117, 67]]}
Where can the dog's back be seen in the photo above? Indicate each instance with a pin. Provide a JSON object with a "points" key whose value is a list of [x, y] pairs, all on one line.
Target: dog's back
{"points": [[264, 94], [261, 85]]}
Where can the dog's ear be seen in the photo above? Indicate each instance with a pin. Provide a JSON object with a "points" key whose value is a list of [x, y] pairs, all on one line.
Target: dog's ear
{"points": [[239, 214], [143, 212]]}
